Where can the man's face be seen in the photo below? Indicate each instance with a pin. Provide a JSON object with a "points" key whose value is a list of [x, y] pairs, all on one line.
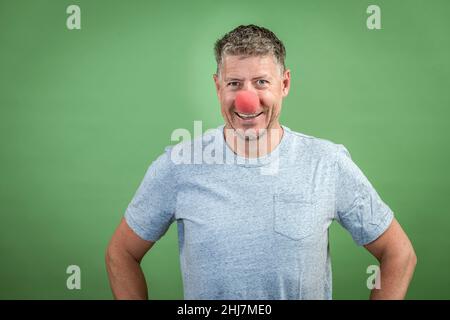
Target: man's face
{"points": [[259, 74]]}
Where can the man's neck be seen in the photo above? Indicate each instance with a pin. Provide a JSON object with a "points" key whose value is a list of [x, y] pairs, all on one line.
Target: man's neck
{"points": [[254, 147]]}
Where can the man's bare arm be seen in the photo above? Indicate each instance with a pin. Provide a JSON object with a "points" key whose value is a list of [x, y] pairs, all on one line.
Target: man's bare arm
{"points": [[397, 260], [123, 257]]}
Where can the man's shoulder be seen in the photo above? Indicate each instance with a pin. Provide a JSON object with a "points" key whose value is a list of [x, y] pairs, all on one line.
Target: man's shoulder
{"points": [[205, 138], [314, 145], [190, 150]]}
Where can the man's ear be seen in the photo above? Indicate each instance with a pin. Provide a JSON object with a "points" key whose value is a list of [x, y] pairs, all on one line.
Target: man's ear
{"points": [[217, 83], [286, 82]]}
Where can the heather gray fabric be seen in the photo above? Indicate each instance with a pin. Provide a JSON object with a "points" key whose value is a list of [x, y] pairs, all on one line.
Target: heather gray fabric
{"points": [[257, 230]]}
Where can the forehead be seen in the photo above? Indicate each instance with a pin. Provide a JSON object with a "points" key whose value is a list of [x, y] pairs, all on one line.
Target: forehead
{"points": [[249, 66]]}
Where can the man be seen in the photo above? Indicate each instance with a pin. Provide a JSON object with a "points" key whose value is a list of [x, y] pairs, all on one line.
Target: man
{"points": [[249, 229]]}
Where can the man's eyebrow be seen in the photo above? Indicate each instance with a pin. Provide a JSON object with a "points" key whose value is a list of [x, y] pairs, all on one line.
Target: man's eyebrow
{"points": [[264, 76], [232, 78]]}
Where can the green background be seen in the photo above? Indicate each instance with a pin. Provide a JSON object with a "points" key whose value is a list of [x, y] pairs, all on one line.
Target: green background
{"points": [[84, 112]]}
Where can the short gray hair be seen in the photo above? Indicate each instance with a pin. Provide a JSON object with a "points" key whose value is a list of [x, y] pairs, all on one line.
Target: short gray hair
{"points": [[250, 40]]}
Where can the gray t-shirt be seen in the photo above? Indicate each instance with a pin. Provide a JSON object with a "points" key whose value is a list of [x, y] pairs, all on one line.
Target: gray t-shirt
{"points": [[257, 229]]}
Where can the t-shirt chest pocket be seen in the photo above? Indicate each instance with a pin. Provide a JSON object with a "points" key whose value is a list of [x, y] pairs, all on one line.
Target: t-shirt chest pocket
{"points": [[294, 214]]}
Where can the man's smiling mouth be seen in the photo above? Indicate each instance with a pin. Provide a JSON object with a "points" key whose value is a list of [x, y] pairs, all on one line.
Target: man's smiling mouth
{"points": [[248, 116]]}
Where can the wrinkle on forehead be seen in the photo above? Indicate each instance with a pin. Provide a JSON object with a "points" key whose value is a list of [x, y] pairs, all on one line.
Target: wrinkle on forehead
{"points": [[251, 66]]}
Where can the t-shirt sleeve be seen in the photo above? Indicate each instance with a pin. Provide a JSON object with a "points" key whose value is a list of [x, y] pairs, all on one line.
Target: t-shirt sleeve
{"points": [[359, 208], [152, 209]]}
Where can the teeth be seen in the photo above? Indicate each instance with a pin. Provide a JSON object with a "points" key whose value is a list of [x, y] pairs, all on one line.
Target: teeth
{"points": [[247, 115]]}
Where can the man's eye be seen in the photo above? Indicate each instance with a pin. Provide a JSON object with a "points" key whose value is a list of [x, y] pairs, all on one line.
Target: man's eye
{"points": [[233, 84], [262, 82]]}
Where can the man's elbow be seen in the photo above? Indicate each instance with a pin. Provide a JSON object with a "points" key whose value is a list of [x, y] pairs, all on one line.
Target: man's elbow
{"points": [[118, 255], [412, 259], [403, 257], [109, 256], [113, 256]]}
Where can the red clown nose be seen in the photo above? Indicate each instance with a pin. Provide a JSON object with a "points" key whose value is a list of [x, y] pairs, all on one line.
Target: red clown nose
{"points": [[246, 102]]}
